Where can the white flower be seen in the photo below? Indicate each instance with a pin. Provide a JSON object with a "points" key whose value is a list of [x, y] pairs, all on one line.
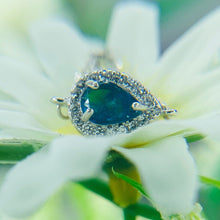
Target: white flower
{"points": [[15, 16], [185, 78]]}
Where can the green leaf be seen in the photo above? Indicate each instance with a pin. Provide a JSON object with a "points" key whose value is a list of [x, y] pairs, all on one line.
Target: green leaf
{"points": [[209, 181], [194, 138], [101, 188], [209, 197], [132, 182], [128, 215], [98, 186], [14, 150], [144, 210]]}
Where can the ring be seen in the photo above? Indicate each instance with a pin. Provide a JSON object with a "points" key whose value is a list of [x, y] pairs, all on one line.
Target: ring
{"points": [[108, 102]]}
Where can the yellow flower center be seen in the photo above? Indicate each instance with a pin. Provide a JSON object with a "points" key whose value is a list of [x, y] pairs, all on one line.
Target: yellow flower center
{"points": [[68, 129]]}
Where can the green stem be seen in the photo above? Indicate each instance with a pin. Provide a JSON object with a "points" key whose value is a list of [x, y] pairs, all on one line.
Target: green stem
{"points": [[128, 215], [210, 181], [139, 209]]}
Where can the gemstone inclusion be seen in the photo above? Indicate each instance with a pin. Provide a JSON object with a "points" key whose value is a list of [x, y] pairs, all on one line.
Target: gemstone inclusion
{"points": [[111, 104]]}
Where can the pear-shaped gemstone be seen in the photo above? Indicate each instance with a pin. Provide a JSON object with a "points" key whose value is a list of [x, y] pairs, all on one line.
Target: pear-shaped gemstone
{"points": [[110, 103]]}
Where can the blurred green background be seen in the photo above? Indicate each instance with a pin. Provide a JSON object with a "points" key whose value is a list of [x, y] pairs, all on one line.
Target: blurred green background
{"points": [[176, 16]]}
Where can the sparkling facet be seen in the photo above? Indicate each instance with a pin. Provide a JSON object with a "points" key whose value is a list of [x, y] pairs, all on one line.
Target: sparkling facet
{"points": [[111, 104]]}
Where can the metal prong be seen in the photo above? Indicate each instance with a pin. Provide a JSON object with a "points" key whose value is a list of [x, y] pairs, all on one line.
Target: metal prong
{"points": [[60, 102], [92, 84], [57, 100], [166, 110], [169, 111], [139, 107], [87, 114]]}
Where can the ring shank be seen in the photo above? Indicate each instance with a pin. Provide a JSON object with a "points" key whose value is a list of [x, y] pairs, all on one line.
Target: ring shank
{"points": [[100, 61]]}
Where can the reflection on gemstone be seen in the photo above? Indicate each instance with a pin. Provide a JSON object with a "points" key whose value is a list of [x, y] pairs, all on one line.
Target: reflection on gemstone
{"points": [[111, 104]]}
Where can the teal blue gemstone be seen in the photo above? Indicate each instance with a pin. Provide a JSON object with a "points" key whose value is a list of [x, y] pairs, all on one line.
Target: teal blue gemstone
{"points": [[111, 104]]}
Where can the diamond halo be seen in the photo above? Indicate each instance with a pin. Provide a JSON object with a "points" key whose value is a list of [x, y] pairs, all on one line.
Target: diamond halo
{"points": [[148, 104], [127, 106]]}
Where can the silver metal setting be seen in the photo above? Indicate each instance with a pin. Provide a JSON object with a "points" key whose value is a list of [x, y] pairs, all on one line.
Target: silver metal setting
{"points": [[147, 103], [139, 107], [60, 102], [92, 84], [87, 114], [96, 75]]}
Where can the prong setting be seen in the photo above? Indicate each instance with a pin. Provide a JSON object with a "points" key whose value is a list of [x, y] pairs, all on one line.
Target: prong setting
{"points": [[169, 111], [92, 84], [139, 107], [149, 106], [87, 114], [57, 100]]}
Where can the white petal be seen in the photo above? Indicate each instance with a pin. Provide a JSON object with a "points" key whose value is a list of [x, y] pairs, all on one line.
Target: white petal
{"points": [[30, 88], [17, 46], [198, 97], [209, 125], [15, 15], [62, 51], [3, 170], [205, 103], [20, 124], [10, 105], [169, 174], [194, 53], [4, 96], [151, 133], [5, 135], [133, 36], [30, 183], [206, 152], [16, 119]]}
